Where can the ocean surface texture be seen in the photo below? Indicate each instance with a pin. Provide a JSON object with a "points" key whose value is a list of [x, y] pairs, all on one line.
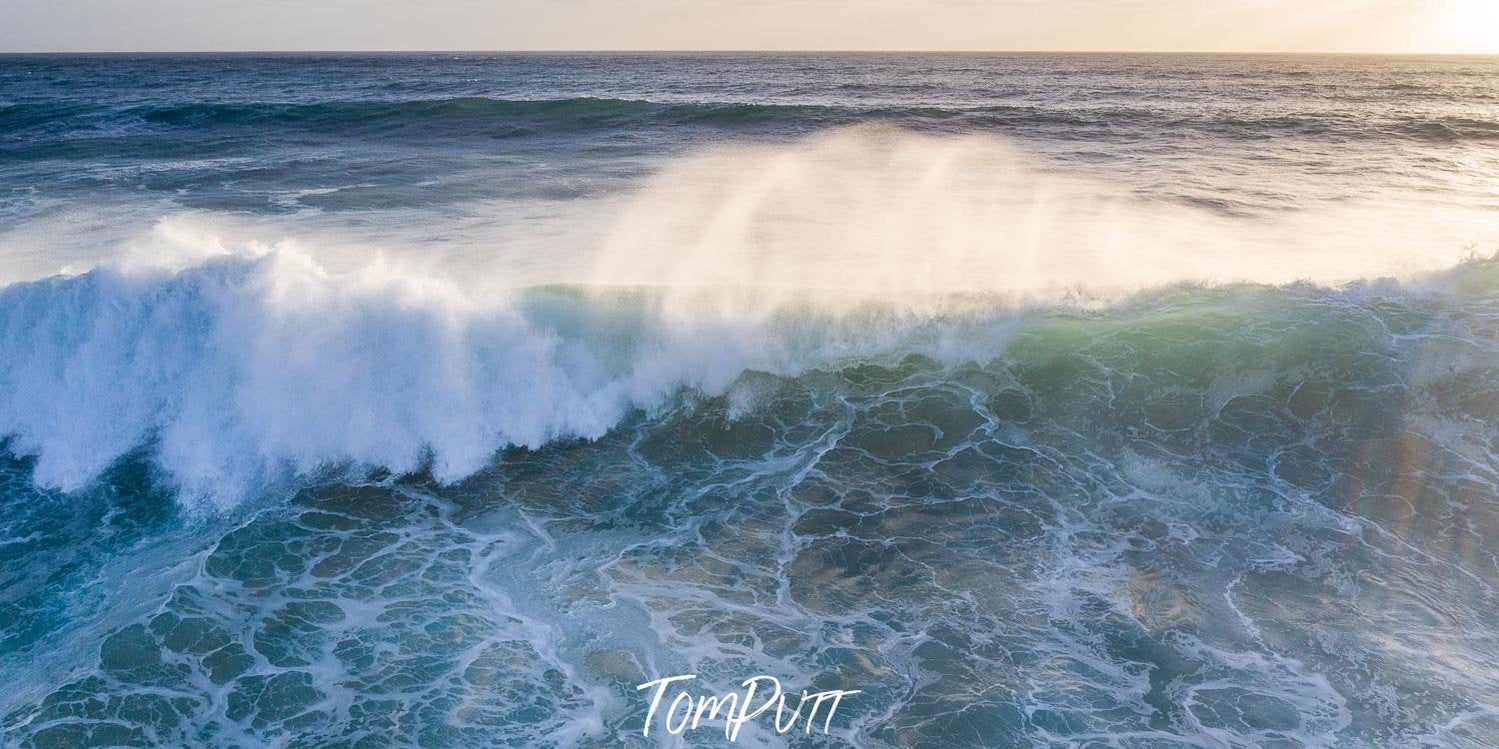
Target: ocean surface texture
{"points": [[1051, 401]]}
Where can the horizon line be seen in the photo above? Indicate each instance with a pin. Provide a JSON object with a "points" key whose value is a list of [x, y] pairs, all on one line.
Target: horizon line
{"points": [[666, 50]]}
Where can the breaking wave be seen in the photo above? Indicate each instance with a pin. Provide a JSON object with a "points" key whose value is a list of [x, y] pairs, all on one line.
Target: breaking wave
{"points": [[241, 371], [242, 365]]}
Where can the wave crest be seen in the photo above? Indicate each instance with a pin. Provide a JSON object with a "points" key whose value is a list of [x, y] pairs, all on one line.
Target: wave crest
{"points": [[242, 371]]}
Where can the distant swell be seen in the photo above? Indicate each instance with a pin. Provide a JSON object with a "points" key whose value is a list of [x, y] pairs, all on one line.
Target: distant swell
{"points": [[495, 117]]}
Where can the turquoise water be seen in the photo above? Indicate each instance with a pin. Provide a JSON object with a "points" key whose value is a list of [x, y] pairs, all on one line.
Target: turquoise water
{"points": [[1048, 401]]}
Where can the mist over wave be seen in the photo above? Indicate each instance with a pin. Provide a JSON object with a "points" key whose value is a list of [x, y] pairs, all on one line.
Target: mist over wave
{"points": [[891, 210], [242, 363]]}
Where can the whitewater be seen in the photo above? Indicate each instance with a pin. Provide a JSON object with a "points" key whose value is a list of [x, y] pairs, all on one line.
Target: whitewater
{"points": [[251, 361], [1040, 401]]}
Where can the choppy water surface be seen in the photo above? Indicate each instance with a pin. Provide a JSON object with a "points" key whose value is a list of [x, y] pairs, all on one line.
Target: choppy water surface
{"points": [[1049, 401]]}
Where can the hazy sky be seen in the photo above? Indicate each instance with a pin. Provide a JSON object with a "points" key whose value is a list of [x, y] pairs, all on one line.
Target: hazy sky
{"points": [[1186, 25]]}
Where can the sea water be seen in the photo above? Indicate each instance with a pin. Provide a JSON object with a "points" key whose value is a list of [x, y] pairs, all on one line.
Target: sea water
{"points": [[1043, 400]]}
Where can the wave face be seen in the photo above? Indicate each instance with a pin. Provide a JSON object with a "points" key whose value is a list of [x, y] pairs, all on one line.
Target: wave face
{"points": [[1123, 401]]}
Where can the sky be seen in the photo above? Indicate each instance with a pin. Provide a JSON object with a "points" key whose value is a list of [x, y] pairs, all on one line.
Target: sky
{"points": [[1393, 26]]}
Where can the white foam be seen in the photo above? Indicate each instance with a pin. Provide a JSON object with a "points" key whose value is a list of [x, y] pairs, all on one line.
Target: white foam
{"points": [[252, 368]]}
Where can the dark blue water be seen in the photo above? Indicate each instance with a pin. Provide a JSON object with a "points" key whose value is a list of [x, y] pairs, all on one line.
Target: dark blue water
{"points": [[1047, 400]]}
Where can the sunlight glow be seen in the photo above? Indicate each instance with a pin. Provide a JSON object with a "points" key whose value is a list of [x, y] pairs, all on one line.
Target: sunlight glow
{"points": [[1464, 26], [1373, 26]]}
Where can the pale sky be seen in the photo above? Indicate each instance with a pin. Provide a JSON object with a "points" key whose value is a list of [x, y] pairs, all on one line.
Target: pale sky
{"points": [[1436, 26]]}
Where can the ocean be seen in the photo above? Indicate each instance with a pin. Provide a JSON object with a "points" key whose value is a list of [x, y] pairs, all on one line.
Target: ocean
{"points": [[442, 400]]}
